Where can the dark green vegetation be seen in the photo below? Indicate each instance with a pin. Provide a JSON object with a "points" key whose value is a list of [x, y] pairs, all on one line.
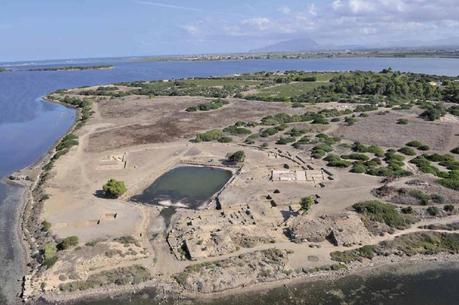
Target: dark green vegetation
{"points": [[383, 213], [73, 68], [394, 162], [114, 188], [83, 106], [214, 87], [372, 90], [121, 276], [449, 179], [208, 136], [335, 161], [306, 203], [425, 243], [49, 254], [3, 69], [213, 105], [68, 242], [238, 156], [402, 122], [45, 226]]}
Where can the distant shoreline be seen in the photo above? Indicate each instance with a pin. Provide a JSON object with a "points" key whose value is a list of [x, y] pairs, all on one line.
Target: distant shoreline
{"points": [[71, 68]]}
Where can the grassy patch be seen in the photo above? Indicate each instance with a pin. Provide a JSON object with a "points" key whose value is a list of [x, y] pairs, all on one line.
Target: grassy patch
{"points": [[131, 275], [383, 213], [426, 243]]}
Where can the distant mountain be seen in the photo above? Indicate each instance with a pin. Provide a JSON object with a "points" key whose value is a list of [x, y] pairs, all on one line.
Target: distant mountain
{"points": [[293, 45], [307, 44]]}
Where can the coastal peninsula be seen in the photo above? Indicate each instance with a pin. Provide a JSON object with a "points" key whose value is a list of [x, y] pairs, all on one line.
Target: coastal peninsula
{"points": [[207, 186], [72, 68]]}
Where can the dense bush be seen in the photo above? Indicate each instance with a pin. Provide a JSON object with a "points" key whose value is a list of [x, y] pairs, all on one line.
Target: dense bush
{"points": [[238, 156], [306, 203], [208, 136], [213, 105], [114, 188], [433, 211], [402, 122], [49, 254], [382, 212], [285, 140], [67, 142], [68, 242], [335, 161], [407, 151]]}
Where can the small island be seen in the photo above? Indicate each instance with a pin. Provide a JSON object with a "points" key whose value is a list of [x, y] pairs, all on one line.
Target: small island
{"points": [[3, 69], [72, 68], [207, 186]]}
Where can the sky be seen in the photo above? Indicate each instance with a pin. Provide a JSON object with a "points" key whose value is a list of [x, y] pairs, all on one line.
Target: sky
{"points": [[55, 29]]}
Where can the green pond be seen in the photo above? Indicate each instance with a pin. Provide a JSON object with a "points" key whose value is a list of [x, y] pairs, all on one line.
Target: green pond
{"points": [[185, 186]]}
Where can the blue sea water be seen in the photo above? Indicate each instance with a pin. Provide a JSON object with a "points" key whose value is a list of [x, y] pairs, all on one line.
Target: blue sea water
{"points": [[29, 126]]}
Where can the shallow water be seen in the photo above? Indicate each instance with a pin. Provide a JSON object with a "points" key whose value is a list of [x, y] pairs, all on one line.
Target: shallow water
{"points": [[189, 186], [28, 126], [432, 287]]}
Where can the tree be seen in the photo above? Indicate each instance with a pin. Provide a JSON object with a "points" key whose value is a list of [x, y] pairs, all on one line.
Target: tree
{"points": [[238, 156], [306, 203], [114, 188]]}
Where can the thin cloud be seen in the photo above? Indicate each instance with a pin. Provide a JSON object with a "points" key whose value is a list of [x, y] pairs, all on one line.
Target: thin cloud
{"points": [[170, 6]]}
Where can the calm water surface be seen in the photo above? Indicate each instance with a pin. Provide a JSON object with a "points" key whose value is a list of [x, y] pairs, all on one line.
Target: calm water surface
{"points": [[29, 126], [190, 186]]}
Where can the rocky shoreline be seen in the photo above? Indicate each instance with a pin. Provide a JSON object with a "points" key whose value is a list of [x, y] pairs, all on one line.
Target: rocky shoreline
{"points": [[163, 290], [26, 221]]}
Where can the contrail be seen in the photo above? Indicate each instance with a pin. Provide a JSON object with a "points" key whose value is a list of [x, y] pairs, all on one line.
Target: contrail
{"points": [[171, 6]]}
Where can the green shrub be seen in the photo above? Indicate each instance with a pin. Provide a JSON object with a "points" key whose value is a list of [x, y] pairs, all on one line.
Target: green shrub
{"points": [[359, 168], [215, 104], [114, 188], [326, 139], [295, 132], [268, 132], [402, 122], [350, 120], [449, 208], [225, 139], [208, 136], [455, 150], [422, 197], [236, 131], [49, 253], [45, 226], [68, 242], [67, 142], [382, 212], [306, 203], [336, 161], [414, 143], [451, 180], [238, 156], [319, 119], [433, 211], [407, 151], [283, 140], [407, 210], [356, 156]]}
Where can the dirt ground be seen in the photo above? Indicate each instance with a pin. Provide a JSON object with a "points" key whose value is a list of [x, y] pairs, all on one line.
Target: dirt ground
{"points": [[383, 130], [140, 120]]}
